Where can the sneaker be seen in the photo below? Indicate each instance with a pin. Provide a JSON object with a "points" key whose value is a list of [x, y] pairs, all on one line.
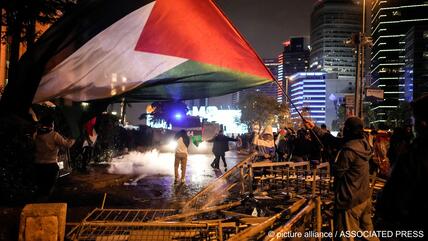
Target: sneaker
{"points": [[225, 169], [212, 165]]}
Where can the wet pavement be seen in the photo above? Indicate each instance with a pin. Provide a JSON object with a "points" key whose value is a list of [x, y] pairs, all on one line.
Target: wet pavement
{"points": [[137, 180]]}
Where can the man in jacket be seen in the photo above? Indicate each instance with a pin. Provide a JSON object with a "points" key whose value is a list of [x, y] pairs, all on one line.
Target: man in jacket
{"points": [[220, 147], [352, 210], [48, 142], [352, 185]]}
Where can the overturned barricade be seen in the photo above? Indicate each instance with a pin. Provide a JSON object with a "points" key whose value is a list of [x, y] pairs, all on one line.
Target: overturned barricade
{"points": [[252, 201]]}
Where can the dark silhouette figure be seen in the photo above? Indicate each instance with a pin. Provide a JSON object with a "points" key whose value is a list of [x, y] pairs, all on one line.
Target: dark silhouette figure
{"points": [[352, 202], [402, 204], [220, 147]]}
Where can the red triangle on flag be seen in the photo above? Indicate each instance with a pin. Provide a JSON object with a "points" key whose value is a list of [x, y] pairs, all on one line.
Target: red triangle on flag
{"points": [[198, 30]]}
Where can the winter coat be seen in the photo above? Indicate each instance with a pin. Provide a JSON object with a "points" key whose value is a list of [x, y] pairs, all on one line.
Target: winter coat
{"points": [[351, 173], [221, 144], [47, 144]]}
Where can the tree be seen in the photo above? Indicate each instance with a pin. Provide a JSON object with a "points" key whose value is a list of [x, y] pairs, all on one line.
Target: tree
{"points": [[283, 116], [341, 117], [400, 116], [168, 111], [369, 115], [258, 108], [20, 18]]}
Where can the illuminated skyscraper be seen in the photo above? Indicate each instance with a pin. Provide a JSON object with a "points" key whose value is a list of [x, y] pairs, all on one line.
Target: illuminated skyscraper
{"points": [[391, 21], [294, 59], [332, 23], [308, 93], [416, 63]]}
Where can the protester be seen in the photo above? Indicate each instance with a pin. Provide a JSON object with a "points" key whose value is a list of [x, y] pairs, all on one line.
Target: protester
{"points": [[181, 152], [380, 163], [265, 145], [324, 128], [48, 142], [282, 145], [302, 146], [220, 147], [402, 204], [352, 207], [399, 143], [239, 143], [88, 146]]}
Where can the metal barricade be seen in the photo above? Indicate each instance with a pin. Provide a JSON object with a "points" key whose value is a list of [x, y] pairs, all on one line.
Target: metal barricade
{"points": [[221, 189], [307, 222], [219, 212]]}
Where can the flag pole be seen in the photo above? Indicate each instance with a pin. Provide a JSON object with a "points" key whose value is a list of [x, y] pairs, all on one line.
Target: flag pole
{"points": [[298, 112], [273, 77], [288, 97]]}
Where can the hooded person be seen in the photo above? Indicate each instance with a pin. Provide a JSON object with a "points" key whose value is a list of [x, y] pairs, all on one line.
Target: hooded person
{"points": [[352, 185], [352, 202], [265, 144], [282, 145], [47, 143]]}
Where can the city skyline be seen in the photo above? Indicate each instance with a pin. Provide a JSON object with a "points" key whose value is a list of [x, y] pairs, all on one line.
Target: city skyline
{"points": [[267, 24]]}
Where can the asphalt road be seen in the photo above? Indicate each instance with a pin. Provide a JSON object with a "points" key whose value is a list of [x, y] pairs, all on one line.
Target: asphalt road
{"points": [[137, 180]]}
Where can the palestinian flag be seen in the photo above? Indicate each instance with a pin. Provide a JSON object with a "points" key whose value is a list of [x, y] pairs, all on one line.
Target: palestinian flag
{"points": [[142, 50]]}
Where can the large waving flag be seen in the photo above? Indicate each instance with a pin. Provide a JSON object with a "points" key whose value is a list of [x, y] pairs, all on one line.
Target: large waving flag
{"points": [[144, 50]]}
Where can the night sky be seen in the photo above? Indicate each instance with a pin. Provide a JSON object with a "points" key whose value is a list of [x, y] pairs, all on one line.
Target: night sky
{"points": [[267, 23]]}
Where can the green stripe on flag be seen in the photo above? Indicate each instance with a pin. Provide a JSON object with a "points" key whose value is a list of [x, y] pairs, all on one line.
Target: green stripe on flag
{"points": [[193, 80]]}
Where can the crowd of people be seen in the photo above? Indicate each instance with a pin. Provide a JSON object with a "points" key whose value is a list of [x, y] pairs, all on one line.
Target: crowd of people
{"points": [[354, 154]]}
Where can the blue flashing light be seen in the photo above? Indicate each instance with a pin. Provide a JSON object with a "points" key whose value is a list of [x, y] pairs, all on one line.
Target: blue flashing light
{"points": [[178, 116]]}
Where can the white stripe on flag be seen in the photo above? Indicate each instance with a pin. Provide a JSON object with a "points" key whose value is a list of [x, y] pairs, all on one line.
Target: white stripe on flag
{"points": [[107, 65]]}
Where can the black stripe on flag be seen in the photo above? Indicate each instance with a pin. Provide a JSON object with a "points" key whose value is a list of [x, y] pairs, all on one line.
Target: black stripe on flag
{"points": [[71, 32]]}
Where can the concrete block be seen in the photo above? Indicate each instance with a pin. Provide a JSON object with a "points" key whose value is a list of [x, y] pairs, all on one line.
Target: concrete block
{"points": [[43, 222]]}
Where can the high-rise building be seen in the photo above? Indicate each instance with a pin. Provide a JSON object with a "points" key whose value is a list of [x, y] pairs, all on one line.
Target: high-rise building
{"points": [[296, 56], [391, 20], [332, 23], [272, 65], [281, 77], [307, 92], [294, 59], [416, 62], [318, 96], [269, 89]]}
